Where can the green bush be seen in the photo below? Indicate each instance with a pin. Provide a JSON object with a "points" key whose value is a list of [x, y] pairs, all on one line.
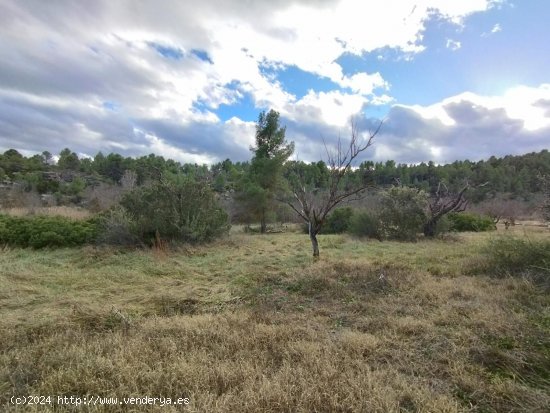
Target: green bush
{"points": [[117, 228], [365, 224], [443, 226], [338, 221], [178, 209], [46, 231], [402, 213], [462, 222], [518, 256]]}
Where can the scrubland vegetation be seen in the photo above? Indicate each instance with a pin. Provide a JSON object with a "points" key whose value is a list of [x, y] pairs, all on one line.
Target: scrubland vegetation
{"points": [[253, 323], [426, 296]]}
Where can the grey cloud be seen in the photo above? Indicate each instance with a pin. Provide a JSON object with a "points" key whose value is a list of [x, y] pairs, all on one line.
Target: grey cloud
{"points": [[478, 133], [311, 134], [544, 104], [79, 54], [33, 126], [85, 71], [66, 53], [198, 138]]}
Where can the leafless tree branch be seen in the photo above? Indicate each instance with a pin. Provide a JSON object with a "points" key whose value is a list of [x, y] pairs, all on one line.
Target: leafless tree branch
{"points": [[314, 207]]}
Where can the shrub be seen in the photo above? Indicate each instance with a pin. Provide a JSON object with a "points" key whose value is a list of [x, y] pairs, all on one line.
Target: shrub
{"points": [[519, 256], [443, 226], [402, 213], [177, 209], [338, 221], [46, 231], [117, 228], [365, 224], [470, 222]]}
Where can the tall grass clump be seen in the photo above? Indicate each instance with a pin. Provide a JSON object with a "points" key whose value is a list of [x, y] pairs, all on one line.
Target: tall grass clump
{"points": [[513, 256]]}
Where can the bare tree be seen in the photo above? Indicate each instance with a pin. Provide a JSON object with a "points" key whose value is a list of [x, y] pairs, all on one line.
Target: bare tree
{"points": [[441, 204], [502, 209], [312, 204]]}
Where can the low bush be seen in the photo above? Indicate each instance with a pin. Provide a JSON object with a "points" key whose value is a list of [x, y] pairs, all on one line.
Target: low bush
{"points": [[46, 231], [512, 256], [338, 221], [117, 228], [442, 227], [402, 213], [463, 222], [176, 209], [365, 224]]}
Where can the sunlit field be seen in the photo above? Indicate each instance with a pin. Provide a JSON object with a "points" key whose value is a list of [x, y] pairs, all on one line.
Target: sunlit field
{"points": [[252, 323], [63, 211]]}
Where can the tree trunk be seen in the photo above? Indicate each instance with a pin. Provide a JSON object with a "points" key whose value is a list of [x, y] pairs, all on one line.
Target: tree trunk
{"points": [[263, 225], [315, 245], [313, 238], [430, 228]]}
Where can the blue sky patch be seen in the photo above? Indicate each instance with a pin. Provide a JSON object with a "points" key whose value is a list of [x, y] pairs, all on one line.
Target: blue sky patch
{"points": [[297, 81], [243, 108], [202, 55], [167, 51], [112, 106]]}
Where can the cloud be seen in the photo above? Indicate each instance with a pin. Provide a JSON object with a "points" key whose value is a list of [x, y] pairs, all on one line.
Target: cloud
{"points": [[496, 28], [453, 44], [468, 126], [544, 104], [133, 77], [332, 108]]}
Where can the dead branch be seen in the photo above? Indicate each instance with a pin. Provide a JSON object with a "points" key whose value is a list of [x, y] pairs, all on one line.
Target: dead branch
{"points": [[314, 207]]}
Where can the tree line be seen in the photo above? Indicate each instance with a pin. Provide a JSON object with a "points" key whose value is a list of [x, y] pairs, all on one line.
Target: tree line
{"points": [[165, 199], [516, 175]]}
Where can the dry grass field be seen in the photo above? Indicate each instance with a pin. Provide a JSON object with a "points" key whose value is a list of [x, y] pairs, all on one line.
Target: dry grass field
{"points": [[253, 324], [74, 213]]}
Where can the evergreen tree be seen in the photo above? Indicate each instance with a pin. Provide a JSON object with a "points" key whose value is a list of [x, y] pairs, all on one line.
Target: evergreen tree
{"points": [[259, 185], [68, 160]]}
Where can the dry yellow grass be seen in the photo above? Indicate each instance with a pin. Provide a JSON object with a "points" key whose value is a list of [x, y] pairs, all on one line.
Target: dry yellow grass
{"points": [[253, 324], [64, 211]]}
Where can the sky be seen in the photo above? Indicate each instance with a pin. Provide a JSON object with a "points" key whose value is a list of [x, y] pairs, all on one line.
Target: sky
{"points": [[450, 80]]}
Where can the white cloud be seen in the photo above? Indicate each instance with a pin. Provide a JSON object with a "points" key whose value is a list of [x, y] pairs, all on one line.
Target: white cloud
{"points": [[496, 28], [381, 100], [364, 83], [160, 147], [64, 63], [453, 44], [332, 108]]}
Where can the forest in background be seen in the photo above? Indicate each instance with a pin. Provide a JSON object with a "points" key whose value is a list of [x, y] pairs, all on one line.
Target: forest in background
{"points": [[152, 200], [91, 181]]}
